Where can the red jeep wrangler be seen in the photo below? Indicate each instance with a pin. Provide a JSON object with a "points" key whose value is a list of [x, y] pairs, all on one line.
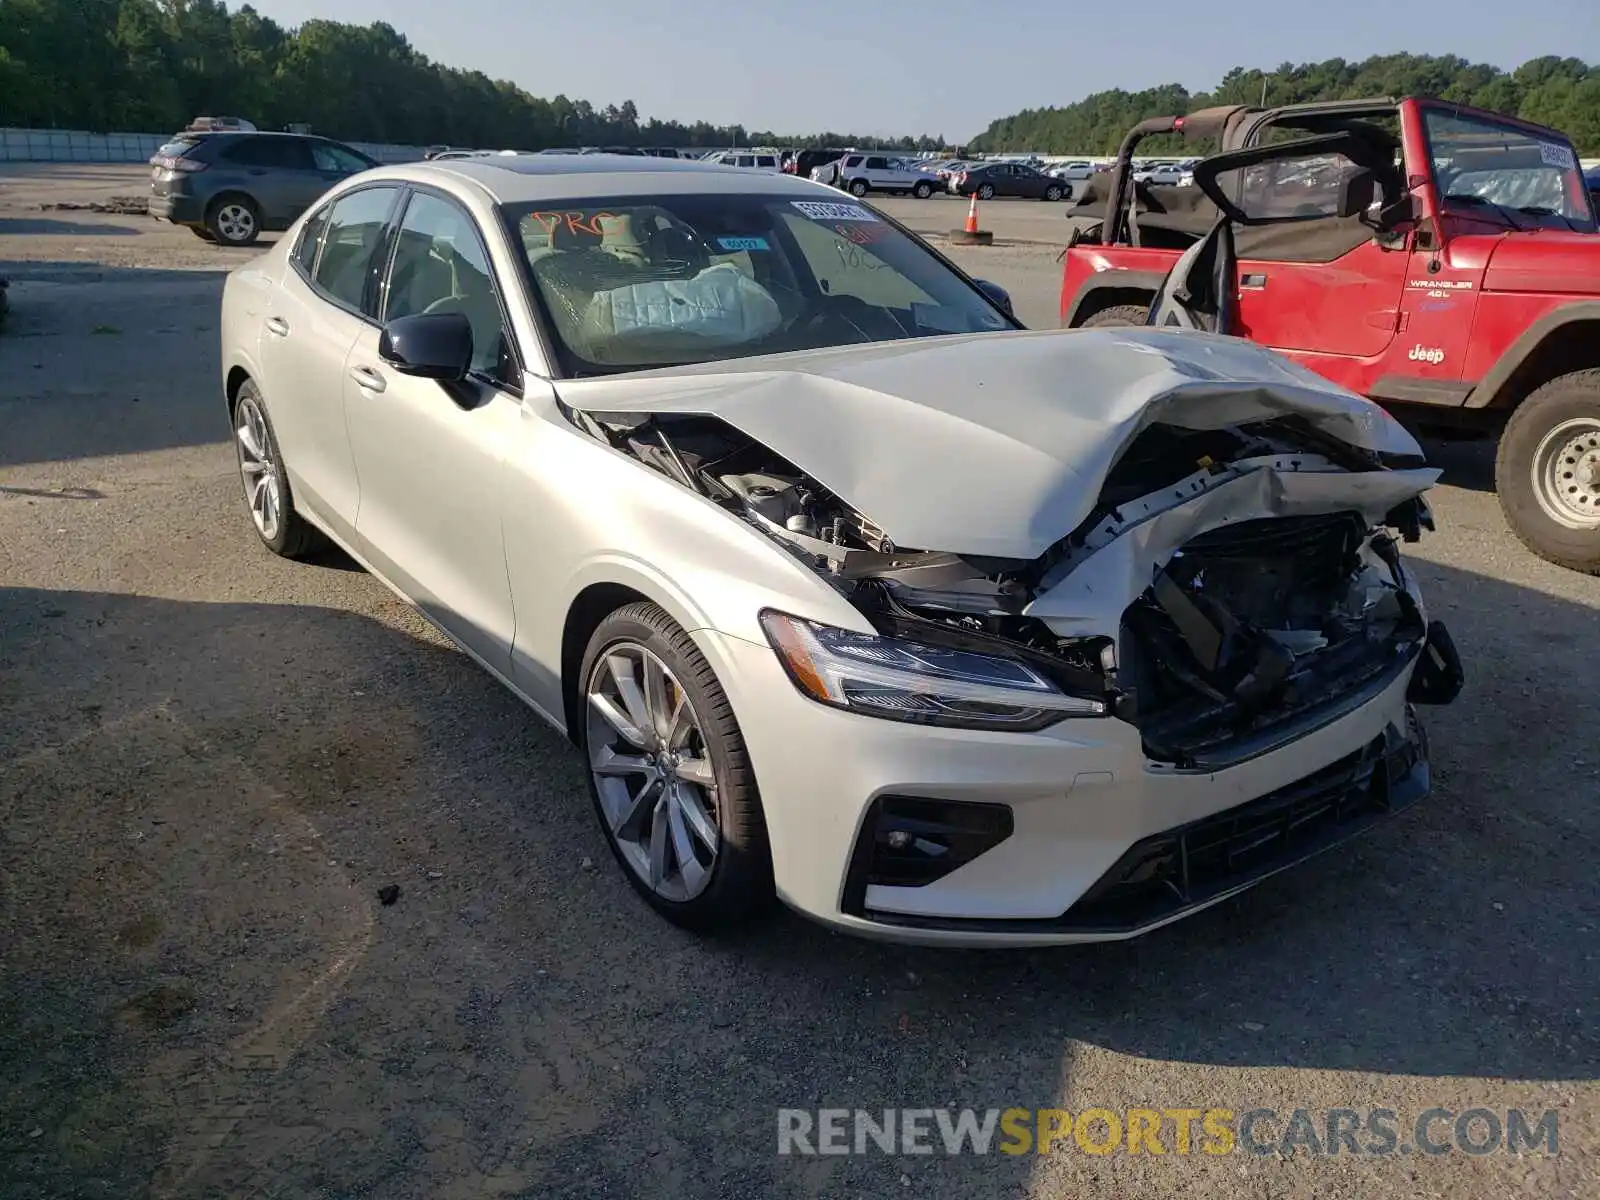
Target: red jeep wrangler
{"points": [[1430, 256]]}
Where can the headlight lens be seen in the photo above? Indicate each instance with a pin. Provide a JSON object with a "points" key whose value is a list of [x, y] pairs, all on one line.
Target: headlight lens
{"points": [[910, 681]]}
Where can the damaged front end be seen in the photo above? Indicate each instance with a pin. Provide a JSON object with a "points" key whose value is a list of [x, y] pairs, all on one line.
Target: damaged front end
{"points": [[1231, 589]]}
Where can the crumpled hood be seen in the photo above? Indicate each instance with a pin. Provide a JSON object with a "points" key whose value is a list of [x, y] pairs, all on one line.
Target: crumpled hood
{"points": [[990, 444]]}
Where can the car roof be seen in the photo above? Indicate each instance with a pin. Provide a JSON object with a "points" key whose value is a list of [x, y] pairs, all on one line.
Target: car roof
{"points": [[530, 178]]}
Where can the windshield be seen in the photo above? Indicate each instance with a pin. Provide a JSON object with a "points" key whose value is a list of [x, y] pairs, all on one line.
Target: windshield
{"points": [[631, 283], [1484, 164]]}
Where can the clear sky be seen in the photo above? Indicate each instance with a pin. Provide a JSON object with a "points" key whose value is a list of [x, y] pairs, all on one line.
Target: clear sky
{"points": [[930, 66]]}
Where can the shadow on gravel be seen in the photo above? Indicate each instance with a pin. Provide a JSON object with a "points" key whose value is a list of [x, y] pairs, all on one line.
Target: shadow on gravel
{"points": [[201, 995], [56, 227], [100, 360]]}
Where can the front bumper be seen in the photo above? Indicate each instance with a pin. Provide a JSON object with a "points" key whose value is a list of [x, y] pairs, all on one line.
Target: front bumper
{"points": [[1099, 843]]}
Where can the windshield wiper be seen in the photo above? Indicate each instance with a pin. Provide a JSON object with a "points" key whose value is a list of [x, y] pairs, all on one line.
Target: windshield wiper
{"points": [[1479, 202], [1539, 210]]}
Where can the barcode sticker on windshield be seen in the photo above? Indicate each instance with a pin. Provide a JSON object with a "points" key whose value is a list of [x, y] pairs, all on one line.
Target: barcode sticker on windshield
{"points": [[1555, 155], [822, 210]]}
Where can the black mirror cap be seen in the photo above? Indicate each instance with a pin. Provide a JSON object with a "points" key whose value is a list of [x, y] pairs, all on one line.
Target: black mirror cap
{"points": [[1357, 191], [428, 345], [998, 296]]}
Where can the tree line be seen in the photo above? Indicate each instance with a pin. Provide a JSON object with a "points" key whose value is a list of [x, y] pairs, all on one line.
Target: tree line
{"points": [[1563, 93], [154, 65]]}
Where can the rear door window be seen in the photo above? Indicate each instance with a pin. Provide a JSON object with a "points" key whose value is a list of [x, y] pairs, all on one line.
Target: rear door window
{"points": [[271, 153], [330, 157], [354, 233]]}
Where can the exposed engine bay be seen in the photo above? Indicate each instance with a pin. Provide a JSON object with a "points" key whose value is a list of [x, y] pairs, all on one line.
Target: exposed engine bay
{"points": [[1241, 634]]}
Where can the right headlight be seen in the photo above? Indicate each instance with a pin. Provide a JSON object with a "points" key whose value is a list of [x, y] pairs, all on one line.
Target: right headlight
{"points": [[901, 680]]}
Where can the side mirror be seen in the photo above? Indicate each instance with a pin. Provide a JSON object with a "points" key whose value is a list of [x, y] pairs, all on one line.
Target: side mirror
{"points": [[998, 296], [1357, 191], [428, 345]]}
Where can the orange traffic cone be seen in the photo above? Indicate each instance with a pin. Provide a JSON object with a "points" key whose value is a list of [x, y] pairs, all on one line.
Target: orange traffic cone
{"points": [[972, 235]]}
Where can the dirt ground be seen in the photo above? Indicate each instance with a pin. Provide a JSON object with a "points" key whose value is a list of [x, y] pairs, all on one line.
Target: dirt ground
{"points": [[211, 760]]}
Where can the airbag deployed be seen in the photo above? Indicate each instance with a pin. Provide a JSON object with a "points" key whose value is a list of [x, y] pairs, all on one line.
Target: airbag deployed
{"points": [[721, 304]]}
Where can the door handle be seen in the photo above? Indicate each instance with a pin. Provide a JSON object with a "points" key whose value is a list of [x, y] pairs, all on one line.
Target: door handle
{"points": [[277, 326], [1255, 281], [368, 379]]}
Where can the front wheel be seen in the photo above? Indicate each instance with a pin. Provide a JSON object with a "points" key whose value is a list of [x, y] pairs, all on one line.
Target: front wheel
{"points": [[1547, 471], [1119, 314], [858, 187], [1052, 193], [266, 484], [669, 775], [922, 191]]}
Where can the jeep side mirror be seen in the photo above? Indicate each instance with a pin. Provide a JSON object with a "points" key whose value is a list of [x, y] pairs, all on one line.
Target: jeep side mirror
{"points": [[1357, 191]]}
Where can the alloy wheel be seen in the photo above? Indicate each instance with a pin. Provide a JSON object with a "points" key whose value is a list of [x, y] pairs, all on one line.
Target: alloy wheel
{"points": [[652, 770], [1566, 473], [263, 487], [236, 222]]}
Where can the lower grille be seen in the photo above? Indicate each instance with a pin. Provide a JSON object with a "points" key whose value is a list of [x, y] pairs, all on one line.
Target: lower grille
{"points": [[1190, 865]]}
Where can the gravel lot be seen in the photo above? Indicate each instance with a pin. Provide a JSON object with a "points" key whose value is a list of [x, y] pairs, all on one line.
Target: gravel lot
{"points": [[211, 760]]}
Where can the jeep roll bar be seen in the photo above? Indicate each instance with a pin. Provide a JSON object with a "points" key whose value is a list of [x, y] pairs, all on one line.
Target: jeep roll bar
{"points": [[1204, 123]]}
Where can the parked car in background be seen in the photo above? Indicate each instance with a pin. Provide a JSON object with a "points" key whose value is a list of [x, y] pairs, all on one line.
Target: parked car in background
{"points": [[231, 187], [692, 461], [1169, 174], [1591, 180], [803, 162], [749, 160], [987, 180], [1073, 172], [863, 173]]}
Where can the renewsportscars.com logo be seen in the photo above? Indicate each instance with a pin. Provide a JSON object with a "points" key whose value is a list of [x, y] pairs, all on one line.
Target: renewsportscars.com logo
{"points": [[1374, 1132]]}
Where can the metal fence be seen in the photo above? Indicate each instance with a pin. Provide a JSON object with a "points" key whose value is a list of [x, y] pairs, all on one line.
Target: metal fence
{"points": [[77, 145]]}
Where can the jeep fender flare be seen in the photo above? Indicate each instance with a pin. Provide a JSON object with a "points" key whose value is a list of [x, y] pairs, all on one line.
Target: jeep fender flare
{"points": [[1116, 279], [1498, 387]]}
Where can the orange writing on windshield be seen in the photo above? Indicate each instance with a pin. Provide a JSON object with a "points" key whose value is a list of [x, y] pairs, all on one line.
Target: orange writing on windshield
{"points": [[576, 222]]}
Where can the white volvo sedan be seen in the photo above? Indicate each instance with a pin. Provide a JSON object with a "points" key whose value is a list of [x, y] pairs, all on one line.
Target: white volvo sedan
{"points": [[848, 589]]}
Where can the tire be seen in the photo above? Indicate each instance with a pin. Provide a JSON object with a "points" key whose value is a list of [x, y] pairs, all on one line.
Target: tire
{"points": [[736, 884], [289, 535], [986, 191], [858, 187], [1053, 193], [1119, 314], [922, 191], [234, 220], [1547, 471], [202, 233]]}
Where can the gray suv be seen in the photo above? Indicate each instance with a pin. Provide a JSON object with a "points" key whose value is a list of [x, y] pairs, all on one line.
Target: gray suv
{"points": [[229, 187]]}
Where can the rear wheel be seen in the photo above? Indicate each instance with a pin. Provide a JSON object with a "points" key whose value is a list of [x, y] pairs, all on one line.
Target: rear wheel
{"points": [[1120, 314], [986, 191], [234, 220], [922, 191], [1547, 471], [670, 777], [858, 187]]}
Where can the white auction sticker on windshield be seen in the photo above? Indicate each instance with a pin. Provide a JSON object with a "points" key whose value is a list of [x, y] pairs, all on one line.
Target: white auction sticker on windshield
{"points": [[1555, 155], [823, 210]]}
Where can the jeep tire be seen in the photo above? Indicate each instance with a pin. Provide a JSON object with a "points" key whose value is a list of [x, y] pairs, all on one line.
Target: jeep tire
{"points": [[1547, 471]]}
